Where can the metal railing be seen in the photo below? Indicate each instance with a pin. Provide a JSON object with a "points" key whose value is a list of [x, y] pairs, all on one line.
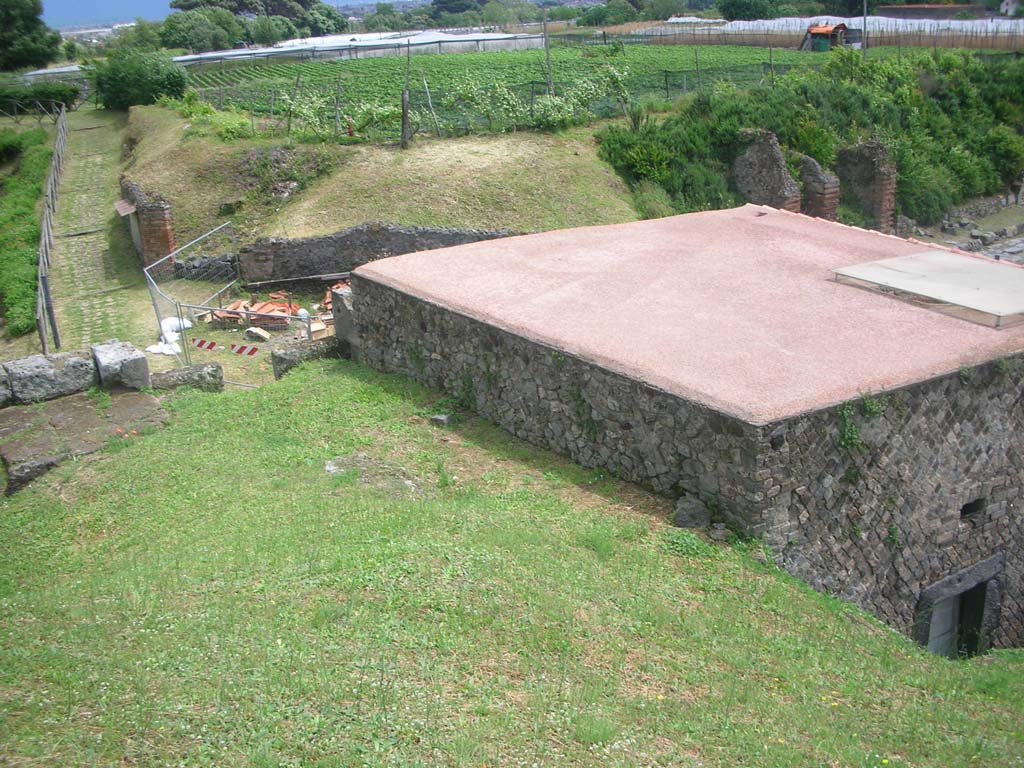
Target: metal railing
{"points": [[44, 301]]}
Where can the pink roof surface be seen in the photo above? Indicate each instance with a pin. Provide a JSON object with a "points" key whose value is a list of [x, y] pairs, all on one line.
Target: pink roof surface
{"points": [[737, 309]]}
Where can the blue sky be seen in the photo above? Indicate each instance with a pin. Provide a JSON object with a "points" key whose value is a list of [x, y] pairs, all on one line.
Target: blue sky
{"points": [[60, 13]]}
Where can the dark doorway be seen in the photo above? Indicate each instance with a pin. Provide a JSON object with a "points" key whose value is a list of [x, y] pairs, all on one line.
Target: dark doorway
{"points": [[959, 615], [972, 612]]}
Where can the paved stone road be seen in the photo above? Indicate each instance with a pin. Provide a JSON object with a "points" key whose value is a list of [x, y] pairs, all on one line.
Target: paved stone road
{"points": [[36, 438], [97, 283]]}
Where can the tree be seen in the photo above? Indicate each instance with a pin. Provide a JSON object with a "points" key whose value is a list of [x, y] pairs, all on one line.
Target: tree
{"points": [[268, 30], [322, 19], [25, 41], [615, 12], [208, 29], [496, 14], [746, 10], [659, 10], [142, 35], [130, 77], [441, 8]]}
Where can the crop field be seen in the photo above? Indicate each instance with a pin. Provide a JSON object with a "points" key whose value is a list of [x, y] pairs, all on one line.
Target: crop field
{"points": [[652, 69]]}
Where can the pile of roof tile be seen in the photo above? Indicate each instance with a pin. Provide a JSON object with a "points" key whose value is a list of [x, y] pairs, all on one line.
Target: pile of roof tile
{"points": [[273, 315]]}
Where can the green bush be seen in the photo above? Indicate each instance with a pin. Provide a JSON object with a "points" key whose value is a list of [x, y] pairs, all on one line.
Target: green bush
{"points": [[131, 77], [652, 201], [19, 228]]}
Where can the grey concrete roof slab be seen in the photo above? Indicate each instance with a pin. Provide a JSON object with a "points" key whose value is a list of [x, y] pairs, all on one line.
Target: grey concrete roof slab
{"points": [[976, 289]]}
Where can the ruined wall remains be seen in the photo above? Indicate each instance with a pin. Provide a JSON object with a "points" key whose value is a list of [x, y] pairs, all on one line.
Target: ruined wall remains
{"points": [[277, 259], [868, 175], [821, 190], [863, 501], [151, 225], [761, 174]]}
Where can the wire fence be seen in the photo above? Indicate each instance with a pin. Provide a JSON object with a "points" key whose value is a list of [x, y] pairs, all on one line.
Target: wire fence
{"points": [[198, 286], [37, 109], [44, 300], [449, 112]]}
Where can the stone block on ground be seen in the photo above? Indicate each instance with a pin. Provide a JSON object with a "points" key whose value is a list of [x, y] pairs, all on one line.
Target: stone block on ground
{"points": [[44, 377], [283, 359], [5, 388], [209, 377], [691, 512], [119, 364], [28, 457]]}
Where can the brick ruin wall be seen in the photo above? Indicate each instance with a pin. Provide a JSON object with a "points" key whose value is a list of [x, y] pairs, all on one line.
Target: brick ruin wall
{"points": [[865, 175], [278, 259], [868, 176], [154, 238], [875, 526]]}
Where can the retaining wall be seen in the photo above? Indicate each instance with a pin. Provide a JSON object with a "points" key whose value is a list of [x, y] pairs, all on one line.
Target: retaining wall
{"points": [[876, 521], [278, 259]]}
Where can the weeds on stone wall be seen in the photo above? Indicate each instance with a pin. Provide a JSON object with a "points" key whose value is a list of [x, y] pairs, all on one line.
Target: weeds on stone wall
{"points": [[849, 431], [584, 414]]}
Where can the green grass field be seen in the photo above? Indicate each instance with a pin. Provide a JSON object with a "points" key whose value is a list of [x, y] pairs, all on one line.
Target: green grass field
{"points": [[209, 596]]}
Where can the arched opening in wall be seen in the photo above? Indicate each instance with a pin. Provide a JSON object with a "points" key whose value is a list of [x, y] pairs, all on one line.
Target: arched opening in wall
{"points": [[957, 616]]}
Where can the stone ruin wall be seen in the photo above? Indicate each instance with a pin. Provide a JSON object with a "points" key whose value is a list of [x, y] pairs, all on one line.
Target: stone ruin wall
{"points": [[878, 522], [151, 225], [279, 259], [876, 526]]}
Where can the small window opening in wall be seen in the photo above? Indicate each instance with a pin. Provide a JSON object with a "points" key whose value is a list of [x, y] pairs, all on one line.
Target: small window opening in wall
{"points": [[973, 509]]}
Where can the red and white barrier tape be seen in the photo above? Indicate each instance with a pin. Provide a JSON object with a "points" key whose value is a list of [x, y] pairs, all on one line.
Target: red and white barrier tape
{"points": [[203, 344], [244, 349]]}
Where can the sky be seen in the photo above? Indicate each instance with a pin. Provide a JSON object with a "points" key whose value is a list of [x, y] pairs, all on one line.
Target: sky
{"points": [[62, 13]]}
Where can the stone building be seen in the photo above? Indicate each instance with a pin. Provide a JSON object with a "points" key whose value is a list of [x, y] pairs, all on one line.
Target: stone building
{"points": [[853, 398]]}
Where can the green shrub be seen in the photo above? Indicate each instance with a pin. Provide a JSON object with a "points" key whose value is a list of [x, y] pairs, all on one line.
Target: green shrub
{"points": [[652, 201], [1006, 149], [131, 77]]}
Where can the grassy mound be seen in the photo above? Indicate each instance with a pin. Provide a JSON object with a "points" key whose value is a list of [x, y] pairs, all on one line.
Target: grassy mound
{"points": [[521, 182], [209, 595]]}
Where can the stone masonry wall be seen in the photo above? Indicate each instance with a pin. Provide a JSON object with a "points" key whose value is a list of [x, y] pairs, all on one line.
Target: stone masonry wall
{"points": [[550, 398], [277, 259], [875, 522], [878, 521], [761, 174], [156, 228]]}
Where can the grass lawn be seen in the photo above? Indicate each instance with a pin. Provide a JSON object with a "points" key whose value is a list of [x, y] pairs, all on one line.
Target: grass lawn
{"points": [[209, 595]]}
